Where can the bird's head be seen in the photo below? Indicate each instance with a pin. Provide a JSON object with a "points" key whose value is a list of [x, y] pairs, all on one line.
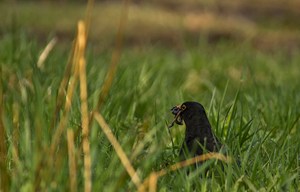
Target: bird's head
{"points": [[185, 110]]}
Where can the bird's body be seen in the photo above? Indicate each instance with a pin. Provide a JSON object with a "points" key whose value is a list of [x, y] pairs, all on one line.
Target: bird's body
{"points": [[199, 137]]}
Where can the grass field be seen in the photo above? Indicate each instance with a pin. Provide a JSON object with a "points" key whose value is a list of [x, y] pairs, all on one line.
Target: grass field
{"points": [[251, 97]]}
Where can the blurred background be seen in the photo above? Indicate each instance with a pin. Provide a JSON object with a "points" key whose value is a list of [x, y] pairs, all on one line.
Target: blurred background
{"points": [[265, 24]]}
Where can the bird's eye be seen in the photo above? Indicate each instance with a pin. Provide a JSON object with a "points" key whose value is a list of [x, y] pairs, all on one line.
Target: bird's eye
{"points": [[183, 107]]}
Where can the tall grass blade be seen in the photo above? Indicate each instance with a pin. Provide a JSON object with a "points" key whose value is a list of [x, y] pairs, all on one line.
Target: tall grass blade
{"points": [[72, 161], [118, 148], [84, 106]]}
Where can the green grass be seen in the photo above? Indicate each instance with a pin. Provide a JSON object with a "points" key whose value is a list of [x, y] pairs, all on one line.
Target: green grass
{"points": [[252, 100]]}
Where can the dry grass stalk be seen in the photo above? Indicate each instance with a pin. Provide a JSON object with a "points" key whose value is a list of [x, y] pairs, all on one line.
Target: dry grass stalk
{"points": [[45, 53], [118, 148], [151, 181], [72, 161], [192, 161], [69, 95], [70, 80], [63, 85], [63, 121], [84, 106]]}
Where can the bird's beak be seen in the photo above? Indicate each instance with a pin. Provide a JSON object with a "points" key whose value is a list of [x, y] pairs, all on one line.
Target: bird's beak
{"points": [[176, 111]]}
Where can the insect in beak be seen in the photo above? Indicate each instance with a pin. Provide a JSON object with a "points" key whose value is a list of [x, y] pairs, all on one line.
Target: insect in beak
{"points": [[177, 110]]}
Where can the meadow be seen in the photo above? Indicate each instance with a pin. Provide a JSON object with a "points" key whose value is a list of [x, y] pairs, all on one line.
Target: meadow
{"points": [[251, 97]]}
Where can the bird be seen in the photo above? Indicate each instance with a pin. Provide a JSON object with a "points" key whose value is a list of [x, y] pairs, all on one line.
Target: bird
{"points": [[199, 137]]}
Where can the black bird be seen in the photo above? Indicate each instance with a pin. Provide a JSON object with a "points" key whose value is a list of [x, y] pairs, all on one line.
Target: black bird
{"points": [[199, 137]]}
